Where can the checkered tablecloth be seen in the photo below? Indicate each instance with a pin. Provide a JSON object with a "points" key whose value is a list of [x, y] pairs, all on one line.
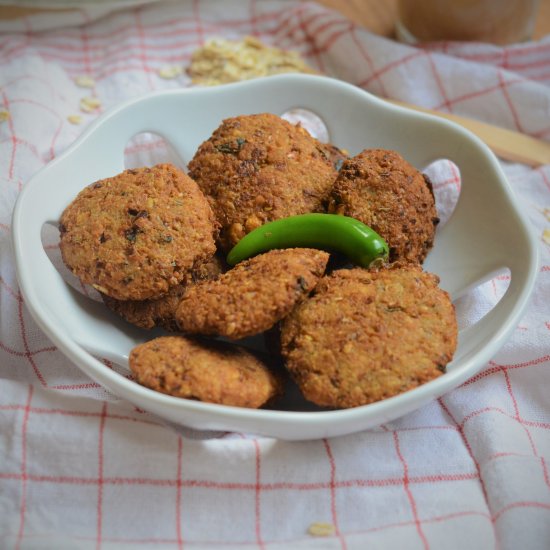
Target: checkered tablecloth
{"points": [[81, 469]]}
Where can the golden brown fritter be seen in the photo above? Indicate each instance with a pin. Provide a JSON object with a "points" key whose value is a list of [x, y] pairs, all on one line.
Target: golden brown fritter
{"points": [[214, 372], [367, 335], [381, 189], [259, 168], [253, 296], [136, 235], [160, 312]]}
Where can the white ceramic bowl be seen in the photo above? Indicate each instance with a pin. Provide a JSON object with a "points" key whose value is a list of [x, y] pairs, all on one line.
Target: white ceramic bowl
{"points": [[485, 234]]}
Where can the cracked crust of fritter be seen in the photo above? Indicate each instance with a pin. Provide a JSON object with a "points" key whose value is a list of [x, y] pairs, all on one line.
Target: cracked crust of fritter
{"points": [[381, 189], [368, 335], [161, 312], [259, 168], [136, 235], [253, 296], [214, 372]]}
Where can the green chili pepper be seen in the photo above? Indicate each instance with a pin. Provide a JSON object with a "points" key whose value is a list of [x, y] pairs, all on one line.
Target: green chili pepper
{"points": [[331, 232]]}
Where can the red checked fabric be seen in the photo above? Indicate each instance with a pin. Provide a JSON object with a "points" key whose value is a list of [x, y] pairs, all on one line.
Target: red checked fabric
{"points": [[80, 469]]}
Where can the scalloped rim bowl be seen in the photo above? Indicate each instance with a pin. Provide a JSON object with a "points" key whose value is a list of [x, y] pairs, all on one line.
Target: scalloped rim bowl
{"points": [[485, 234]]}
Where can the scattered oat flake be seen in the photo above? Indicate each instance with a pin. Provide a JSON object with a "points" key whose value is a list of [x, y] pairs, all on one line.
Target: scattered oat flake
{"points": [[84, 81], [546, 236], [90, 104], [74, 119], [321, 529], [170, 71], [547, 213], [4, 115]]}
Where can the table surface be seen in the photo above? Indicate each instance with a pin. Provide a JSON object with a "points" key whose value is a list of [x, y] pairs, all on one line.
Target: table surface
{"points": [[379, 17]]}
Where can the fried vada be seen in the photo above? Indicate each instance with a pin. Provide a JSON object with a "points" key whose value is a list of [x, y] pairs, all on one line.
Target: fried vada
{"points": [[381, 189], [135, 235], [216, 372], [367, 335], [259, 168], [253, 296]]}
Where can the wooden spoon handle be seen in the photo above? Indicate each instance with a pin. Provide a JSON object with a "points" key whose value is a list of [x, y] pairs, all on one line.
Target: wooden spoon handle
{"points": [[506, 144]]}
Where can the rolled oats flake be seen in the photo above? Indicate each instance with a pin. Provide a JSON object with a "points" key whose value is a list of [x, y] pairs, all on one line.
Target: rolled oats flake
{"points": [[170, 71], [4, 115], [74, 119], [84, 81], [90, 104], [319, 529]]}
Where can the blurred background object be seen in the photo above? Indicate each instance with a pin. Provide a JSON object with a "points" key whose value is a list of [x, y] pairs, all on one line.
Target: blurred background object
{"points": [[495, 21], [379, 17]]}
